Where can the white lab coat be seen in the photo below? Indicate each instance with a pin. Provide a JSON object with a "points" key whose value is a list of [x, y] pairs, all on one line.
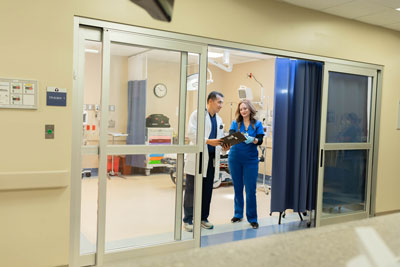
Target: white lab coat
{"points": [[190, 162]]}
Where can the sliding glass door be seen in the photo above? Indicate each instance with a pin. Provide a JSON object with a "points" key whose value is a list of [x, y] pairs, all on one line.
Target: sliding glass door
{"points": [[130, 153], [346, 146]]}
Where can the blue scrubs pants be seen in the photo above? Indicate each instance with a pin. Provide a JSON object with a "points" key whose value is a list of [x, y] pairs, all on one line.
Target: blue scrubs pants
{"points": [[244, 174]]}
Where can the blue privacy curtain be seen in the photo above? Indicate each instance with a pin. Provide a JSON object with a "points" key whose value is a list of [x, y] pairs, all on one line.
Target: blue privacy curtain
{"points": [[136, 120], [296, 134]]}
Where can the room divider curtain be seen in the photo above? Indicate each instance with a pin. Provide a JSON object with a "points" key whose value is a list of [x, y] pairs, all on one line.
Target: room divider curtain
{"points": [[136, 120], [297, 108]]}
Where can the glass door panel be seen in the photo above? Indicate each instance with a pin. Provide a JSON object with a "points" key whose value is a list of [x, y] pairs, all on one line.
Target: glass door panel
{"points": [[141, 209], [89, 188], [146, 107], [345, 180], [349, 108], [345, 168], [92, 94], [90, 110]]}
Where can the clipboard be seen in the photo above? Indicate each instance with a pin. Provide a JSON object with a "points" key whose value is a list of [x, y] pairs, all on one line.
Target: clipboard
{"points": [[233, 139]]}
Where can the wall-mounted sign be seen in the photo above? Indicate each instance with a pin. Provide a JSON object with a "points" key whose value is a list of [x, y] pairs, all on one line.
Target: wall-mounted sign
{"points": [[18, 93], [56, 96]]}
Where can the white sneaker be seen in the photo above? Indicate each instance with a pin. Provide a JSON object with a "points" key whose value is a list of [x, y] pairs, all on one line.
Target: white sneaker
{"points": [[188, 227], [207, 225]]}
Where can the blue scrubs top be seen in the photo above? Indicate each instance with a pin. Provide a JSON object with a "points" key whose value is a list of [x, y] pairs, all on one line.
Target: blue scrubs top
{"points": [[243, 151]]}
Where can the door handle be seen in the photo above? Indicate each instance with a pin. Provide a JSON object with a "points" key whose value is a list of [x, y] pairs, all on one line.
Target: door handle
{"points": [[201, 163], [322, 157]]}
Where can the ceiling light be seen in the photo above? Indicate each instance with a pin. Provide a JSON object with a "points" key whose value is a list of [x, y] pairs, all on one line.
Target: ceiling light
{"points": [[93, 51], [215, 54], [398, 9]]}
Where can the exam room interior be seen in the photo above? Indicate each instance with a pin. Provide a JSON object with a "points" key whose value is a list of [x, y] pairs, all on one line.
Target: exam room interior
{"points": [[140, 208]]}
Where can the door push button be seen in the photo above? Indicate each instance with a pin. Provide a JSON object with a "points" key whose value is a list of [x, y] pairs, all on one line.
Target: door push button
{"points": [[49, 131]]}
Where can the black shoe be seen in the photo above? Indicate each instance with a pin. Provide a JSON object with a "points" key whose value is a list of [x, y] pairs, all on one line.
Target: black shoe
{"points": [[235, 219], [254, 225]]}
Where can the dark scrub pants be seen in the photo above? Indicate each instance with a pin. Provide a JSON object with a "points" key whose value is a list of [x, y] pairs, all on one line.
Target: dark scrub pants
{"points": [[208, 182]]}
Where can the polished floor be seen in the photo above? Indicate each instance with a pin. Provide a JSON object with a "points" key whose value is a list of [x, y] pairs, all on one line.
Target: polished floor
{"points": [[141, 210]]}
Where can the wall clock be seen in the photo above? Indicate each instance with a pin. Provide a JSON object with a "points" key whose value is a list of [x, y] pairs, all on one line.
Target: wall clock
{"points": [[160, 90]]}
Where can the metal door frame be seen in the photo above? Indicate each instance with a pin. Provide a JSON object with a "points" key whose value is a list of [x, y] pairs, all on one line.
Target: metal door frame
{"points": [[107, 36], [369, 145]]}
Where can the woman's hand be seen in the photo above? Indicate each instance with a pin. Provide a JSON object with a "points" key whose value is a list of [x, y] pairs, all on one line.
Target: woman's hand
{"points": [[249, 139]]}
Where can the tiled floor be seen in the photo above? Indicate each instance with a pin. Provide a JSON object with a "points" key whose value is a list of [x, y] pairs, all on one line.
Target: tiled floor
{"points": [[141, 211], [267, 227]]}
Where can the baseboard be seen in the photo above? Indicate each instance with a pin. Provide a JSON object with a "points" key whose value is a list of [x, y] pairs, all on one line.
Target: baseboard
{"points": [[386, 212]]}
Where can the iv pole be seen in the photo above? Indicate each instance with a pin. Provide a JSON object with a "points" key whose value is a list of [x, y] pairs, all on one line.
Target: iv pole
{"points": [[264, 147]]}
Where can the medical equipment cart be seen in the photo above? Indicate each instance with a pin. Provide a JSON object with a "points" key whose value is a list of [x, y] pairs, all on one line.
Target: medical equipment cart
{"points": [[157, 136]]}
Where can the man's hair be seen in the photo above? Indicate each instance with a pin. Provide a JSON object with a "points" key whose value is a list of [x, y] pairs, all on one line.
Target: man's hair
{"points": [[213, 95]]}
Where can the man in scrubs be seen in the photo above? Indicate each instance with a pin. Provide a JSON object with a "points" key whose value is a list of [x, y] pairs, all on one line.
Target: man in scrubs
{"points": [[213, 133]]}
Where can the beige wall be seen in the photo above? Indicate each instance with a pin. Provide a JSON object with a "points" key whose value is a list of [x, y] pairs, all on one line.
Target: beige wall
{"points": [[167, 73], [37, 43], [119, 94]]}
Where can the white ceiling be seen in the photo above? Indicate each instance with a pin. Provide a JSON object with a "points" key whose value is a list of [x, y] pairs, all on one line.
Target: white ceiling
{"points": [[239, 56], [378, 12], [235, 56]]}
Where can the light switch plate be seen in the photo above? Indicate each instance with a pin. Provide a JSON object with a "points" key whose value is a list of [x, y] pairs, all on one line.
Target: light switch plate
{"points": [[111, 124], [49, 131]]}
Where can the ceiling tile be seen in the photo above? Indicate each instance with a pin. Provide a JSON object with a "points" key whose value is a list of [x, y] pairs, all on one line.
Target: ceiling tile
{"points": [[388, 3], [382, 18], [377, 12], [356, 9], [317, 4]]}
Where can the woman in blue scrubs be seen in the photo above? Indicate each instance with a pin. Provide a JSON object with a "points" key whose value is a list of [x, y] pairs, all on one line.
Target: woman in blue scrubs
{"points": [[243, 161]]}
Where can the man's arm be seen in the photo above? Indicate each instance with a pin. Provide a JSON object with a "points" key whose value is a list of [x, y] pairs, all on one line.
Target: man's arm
{"points": [[213, 142], [192, 132]]}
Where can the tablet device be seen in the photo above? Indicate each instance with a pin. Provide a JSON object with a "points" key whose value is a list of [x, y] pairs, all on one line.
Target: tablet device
{"points": [[233, 139]]}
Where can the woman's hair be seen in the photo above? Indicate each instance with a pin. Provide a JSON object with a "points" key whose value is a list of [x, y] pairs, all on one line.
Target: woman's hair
{"points": [[252, 109]]}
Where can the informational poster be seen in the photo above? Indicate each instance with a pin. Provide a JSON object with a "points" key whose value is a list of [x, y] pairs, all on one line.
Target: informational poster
{"points": [[18, 93]]}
